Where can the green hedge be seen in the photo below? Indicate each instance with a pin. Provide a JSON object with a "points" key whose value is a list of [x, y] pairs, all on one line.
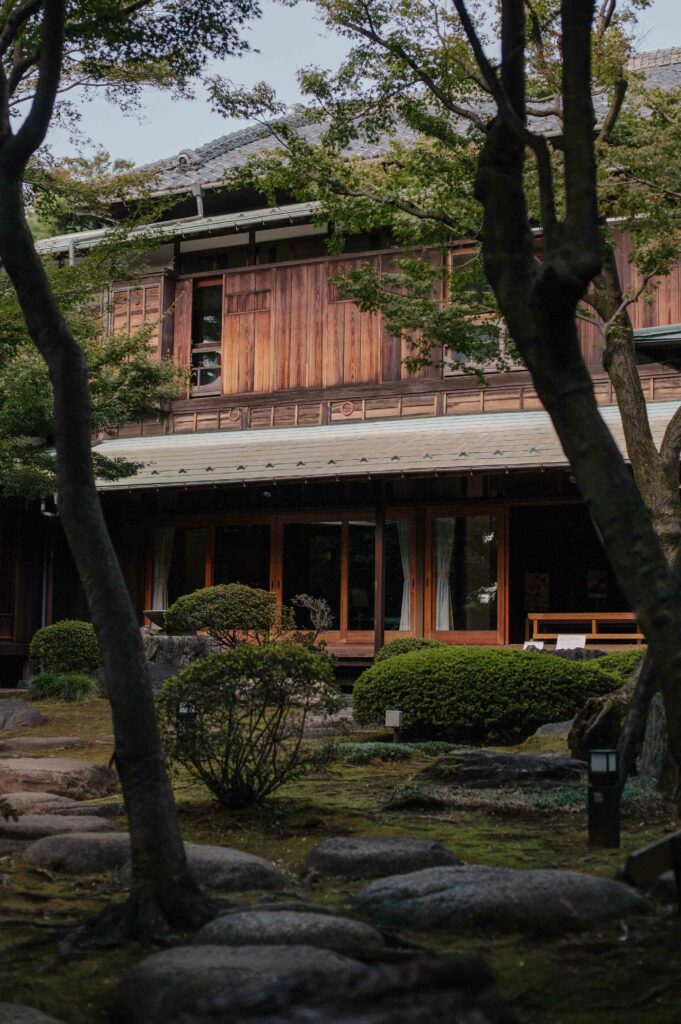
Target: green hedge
{"points": [[477, 694], [66, 646], [405, 645], [620, 663], [63, 686]]}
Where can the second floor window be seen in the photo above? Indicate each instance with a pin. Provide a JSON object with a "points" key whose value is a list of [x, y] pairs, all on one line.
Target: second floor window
{"points": [[207, 337]]}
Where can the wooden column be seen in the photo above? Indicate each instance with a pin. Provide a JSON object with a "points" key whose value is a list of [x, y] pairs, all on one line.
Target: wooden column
{"points": [[379, 567]]}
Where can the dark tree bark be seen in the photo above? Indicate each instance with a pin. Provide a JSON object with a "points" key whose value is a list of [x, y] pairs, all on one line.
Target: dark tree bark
{"points": [[539, 301], [163, 893]]}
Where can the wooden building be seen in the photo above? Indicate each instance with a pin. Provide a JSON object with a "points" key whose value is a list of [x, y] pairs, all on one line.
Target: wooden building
{"points": [[305, 458]]}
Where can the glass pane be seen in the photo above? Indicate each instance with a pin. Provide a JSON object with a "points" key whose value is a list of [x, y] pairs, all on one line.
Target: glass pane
{"points": [[188, 563], [207, 315], [465, 571], [361, 575], [242, 555], [398, 540], [312, 565]]}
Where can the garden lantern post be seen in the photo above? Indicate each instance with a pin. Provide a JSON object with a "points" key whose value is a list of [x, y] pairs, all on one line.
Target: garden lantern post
{"points": [[604, 799]]}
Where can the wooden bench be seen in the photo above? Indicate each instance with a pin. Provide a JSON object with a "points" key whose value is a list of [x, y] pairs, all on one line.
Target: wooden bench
{"points": [[591, 624], [643, 868]]}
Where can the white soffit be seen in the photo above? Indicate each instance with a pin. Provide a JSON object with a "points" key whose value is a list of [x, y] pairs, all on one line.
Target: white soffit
{"points": [[490, 441]]}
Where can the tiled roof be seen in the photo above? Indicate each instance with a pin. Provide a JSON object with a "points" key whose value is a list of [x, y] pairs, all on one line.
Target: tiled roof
{"points": [[491, 441], [208, 164]]}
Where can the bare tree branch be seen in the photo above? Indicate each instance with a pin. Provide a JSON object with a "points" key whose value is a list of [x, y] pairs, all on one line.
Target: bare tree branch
{"points": [[14, 20], [613, 113]]}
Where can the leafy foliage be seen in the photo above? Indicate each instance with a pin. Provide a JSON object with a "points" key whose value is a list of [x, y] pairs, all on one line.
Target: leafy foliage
{"points": [[404, 645], [63, 686], [66, 646], [231, 613], [235, 720], [621, 663], [477, 695]]}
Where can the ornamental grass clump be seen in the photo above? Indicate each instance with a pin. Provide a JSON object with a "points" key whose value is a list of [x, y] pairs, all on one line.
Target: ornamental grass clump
{"points": [[63, 686], [476, 694], [235, 720]]}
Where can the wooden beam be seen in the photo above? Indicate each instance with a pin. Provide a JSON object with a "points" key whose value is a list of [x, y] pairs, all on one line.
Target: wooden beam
{"points": [[379, 571]]}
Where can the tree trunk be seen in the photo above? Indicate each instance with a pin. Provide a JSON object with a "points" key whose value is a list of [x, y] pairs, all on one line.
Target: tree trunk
{"points": [[163, 892]]}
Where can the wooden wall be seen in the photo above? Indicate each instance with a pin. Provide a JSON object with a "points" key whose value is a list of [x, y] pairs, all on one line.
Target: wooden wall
{"points": [[134, 306]]}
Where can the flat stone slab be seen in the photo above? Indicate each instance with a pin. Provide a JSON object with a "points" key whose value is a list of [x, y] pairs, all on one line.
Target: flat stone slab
{"points": [[290, 928], [352, 857], [17, 714], [80, 853], [555, 728], [22, 743], [486, 769], [49, 803], [12, 1013], [165, 985], [37, 826], [227, 870], [444, 900], [62, 776]]}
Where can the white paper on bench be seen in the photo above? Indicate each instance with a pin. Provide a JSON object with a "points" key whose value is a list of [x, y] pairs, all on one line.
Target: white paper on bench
{"points": [[570, 641]]}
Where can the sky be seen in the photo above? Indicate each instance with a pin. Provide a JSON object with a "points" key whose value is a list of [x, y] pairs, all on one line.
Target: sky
{"points": [[287, 39]]}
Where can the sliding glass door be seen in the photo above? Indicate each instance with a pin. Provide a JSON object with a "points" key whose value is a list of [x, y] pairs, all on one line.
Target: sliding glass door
{"points": [[465, 593]]}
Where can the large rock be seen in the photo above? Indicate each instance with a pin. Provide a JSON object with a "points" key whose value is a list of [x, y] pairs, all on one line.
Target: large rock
{"points": [[17, 714], [37, 826], [423, 990], [81, 853], [599, 723], [24, 743], [369, 858], [444, 900], [12, 1013], [290, 928], [227, 870], [60, 775], [163, 986], [176, 651], [47, 803], [555, 728], [486, 769]]}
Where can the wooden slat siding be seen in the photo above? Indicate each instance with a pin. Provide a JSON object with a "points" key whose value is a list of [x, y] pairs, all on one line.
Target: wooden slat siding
{"points": [[182, 342], [334, 344], [316, 319], [135, 306], [390, 343]]}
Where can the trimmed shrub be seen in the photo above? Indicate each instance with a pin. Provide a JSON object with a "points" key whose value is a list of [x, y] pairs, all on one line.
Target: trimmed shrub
{"points": [[63, 686], [230, 613], [66, 646], [235, 719], [405, 645], [476, 694], [621, 663]]}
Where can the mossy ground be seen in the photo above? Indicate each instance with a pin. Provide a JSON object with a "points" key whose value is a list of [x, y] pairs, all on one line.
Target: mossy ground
{"points": [[610, 976]]}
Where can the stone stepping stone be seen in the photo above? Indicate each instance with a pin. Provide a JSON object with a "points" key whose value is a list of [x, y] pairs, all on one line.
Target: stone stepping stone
{"points": [[12, 1013], [352, 857], [486, 769], [37, 826], [444, 900], [164, 986], [17, 714], [22, 743], [227, 870], [48, 803], [80, 853], [62, 776], [289, 928]]}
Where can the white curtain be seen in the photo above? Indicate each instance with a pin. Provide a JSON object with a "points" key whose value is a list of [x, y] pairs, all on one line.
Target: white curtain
{"points": [[404, 536], [163, 553], [444, 549]]}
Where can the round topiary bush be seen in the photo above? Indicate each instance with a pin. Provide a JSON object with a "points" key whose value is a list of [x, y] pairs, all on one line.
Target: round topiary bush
{"points": [[229, 612], [66, 646], [63, 686], [405, 645], [235, 719], [476, 694]]}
